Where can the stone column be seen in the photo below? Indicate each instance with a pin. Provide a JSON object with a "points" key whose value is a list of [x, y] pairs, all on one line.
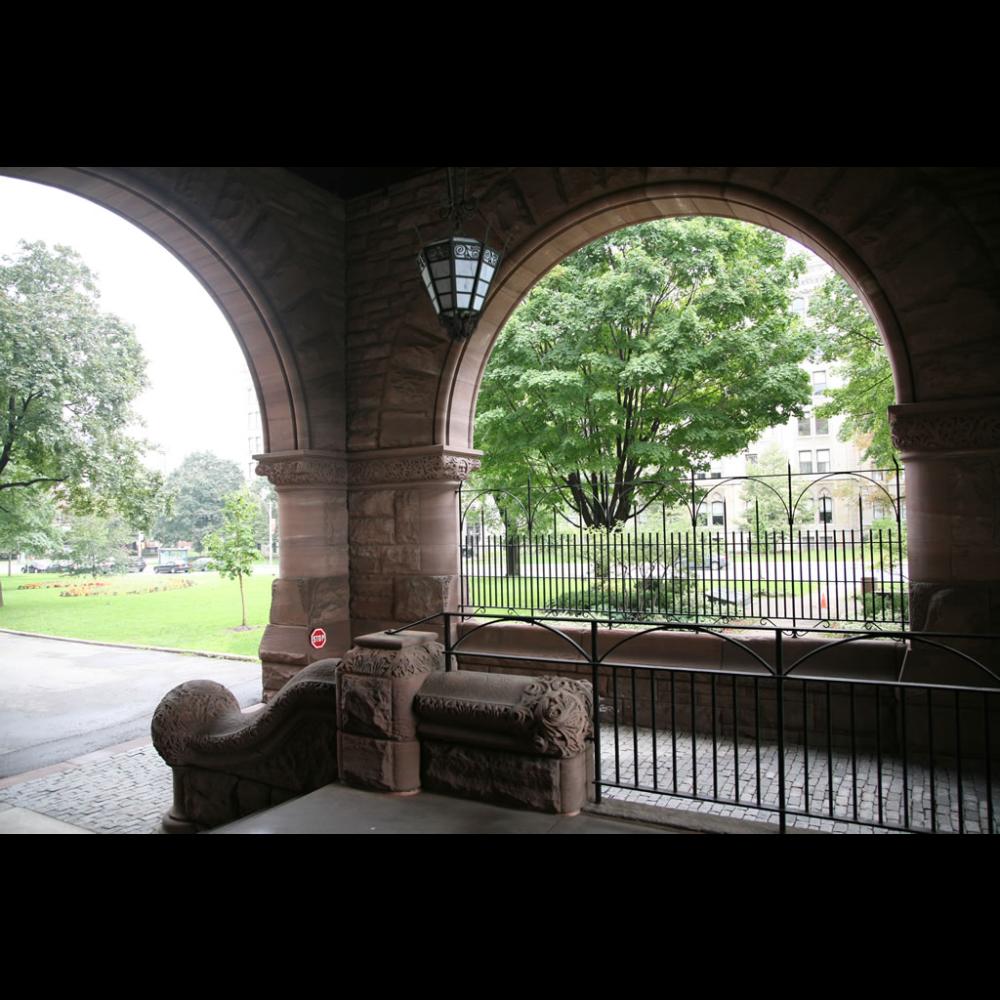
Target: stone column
{"points": [[312, 588], [379, 677], [404, 541], [951, 450]]}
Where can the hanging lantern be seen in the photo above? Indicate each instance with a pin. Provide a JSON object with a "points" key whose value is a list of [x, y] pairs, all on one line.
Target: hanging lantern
{"points": [[457, 273]]}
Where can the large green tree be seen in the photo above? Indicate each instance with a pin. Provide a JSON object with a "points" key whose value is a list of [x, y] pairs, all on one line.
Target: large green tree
{"points": [[69, 375], [644, 355], [848, 337], [198, 488], [91, 540]]}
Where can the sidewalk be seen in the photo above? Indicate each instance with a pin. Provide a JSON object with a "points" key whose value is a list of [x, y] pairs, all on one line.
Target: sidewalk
{"points": [[127, 789], [122, 789]]}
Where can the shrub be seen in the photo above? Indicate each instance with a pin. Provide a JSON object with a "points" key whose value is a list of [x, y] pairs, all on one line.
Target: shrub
{"points": [[883, 607]]}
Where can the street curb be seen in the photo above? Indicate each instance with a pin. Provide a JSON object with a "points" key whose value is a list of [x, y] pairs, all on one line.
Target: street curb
{"points": [[125, 645]]}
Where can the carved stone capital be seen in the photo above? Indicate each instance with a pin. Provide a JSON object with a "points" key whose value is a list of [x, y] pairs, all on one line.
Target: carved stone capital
{"points": [[303, 468], [412, 465], [946, 426], [406, 661]]}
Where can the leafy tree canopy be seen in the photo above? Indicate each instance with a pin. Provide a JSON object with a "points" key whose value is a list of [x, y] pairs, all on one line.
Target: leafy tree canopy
{"points": [[848, 336], [645, 354], [92, 540], [69, 374], [199, 487]]}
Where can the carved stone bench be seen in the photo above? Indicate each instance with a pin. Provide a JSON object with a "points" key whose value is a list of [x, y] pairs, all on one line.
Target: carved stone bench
{"points": [[227, 764], [511, 740]]}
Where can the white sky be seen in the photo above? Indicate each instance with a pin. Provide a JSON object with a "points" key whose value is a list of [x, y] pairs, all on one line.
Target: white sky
{"points": [[199, 396]]}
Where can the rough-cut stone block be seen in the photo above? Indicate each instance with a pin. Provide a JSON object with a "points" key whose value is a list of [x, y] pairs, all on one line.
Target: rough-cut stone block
{"points": [[378, 706], [401, 559], [366, 558], [407, 512], [276, 675], [286, 644], [328, 599], [417, 597], [546, 784], [371, 503], [209, 798], [383, 765], [373, 529], [407, 427], [287, 603], [364, 706]]}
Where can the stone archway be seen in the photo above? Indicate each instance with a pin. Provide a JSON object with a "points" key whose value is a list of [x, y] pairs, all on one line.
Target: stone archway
{"points": [[921, 263], [534, 257], [268, 248], [235, 289]]}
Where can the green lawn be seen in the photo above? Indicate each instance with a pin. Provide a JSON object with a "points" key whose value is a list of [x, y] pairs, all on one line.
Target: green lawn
{"points": [[148, 610]]}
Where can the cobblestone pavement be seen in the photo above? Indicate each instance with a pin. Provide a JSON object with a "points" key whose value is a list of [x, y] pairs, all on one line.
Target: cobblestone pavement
{"points": [[129, 790], [855, 786], [114, 792]]}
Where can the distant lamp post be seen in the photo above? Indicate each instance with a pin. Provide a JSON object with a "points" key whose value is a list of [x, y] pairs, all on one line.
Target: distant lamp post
{"points": [[457, 271]]}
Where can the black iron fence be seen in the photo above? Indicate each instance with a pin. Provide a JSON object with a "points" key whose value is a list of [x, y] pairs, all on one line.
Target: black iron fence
{"points": [[793, 730], [839, 556]]}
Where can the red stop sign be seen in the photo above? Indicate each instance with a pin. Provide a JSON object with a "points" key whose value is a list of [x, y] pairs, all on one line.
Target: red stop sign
{"points": [[317, 637]]}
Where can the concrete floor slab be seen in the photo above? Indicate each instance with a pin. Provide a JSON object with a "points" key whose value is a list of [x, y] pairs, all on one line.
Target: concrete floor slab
{"points": [[339, 809]]}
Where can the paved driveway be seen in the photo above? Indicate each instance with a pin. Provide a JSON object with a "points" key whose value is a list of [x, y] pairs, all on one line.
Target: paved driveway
{"points": [[61, 699]]}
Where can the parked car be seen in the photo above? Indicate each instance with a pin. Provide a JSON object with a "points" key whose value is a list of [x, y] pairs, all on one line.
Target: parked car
{"points": [[203, 565], [697, 564], [37, 566], [178, 566]]}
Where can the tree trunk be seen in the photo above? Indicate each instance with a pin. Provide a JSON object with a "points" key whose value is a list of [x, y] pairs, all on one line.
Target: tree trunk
{"points": [[243, 600], [513, 556]]}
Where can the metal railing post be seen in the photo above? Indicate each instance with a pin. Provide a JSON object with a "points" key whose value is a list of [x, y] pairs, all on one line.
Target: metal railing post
{"points": [[779, 676], [597, 711]]}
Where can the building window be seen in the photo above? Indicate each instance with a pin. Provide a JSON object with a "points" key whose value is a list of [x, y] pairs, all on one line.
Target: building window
{"points": [[819, 382], [822, 425], [879, 511], [825, 510], [718, 514], [822, 459], [805, 426], [751, 458], [805, 461], [715, 475]]}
